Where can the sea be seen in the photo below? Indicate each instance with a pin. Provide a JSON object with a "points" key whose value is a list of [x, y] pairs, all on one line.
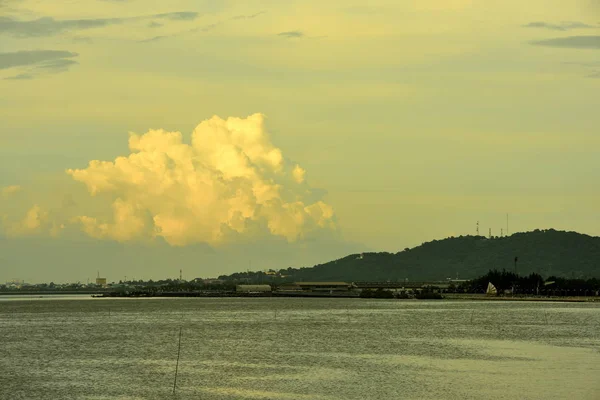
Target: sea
{"points": [[78, 347]]}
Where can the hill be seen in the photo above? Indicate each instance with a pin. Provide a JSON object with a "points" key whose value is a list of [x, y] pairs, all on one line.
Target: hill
{"points": [[546, 252]]}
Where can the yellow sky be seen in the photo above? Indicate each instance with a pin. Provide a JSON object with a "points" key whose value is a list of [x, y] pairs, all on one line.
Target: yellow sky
{"points": [[411, 120]]}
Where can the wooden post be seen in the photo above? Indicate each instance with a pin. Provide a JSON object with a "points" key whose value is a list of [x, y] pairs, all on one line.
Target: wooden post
{"points": [[177, 364]]}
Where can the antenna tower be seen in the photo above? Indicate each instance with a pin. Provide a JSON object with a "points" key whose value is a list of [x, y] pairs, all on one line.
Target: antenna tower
{"points": [[180, 275], [477, 228], [490, 233], [507, 225]]}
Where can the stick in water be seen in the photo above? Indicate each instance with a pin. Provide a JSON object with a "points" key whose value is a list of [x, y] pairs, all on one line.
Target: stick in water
{"points": [[177, 365]]}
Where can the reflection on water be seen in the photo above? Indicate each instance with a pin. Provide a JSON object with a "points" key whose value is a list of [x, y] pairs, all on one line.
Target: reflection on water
{"points": [[297, 349]]}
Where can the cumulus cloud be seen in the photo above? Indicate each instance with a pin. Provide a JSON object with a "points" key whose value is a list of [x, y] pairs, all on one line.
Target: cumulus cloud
{"points": [[10, 190], [229, 182], [31, 223]]}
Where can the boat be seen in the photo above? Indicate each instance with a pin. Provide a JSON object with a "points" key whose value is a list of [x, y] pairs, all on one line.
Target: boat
{"points": [[491, 289]]}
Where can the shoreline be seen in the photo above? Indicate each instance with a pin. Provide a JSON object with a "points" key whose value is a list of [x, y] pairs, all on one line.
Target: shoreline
{"points": [[446, 296]]}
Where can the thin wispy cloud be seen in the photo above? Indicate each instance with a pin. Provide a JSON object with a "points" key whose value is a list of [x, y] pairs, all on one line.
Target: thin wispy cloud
{"points": [[154, 39], [251, 16], [39, 57], [178, 16], [571, 42], [59, 65], [201, 28], [37, 62], [563, 26], [48, 26], [20, 77], [291, 34], [583, 64]]}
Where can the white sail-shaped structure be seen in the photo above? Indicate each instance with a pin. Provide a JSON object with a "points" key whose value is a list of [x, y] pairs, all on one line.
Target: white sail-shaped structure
{"points": [[491, 289]]}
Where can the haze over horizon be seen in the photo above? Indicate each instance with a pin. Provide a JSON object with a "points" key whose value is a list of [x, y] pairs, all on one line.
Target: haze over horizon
{"points": [[220, 136]]}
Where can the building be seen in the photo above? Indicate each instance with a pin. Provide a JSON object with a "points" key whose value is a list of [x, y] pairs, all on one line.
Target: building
{"points": [[253, 288], [101, 282], [323, 286], [317, 289]]}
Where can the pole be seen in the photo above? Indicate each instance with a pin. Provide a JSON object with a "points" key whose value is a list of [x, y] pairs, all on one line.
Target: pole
{"points": [[177, 364]]}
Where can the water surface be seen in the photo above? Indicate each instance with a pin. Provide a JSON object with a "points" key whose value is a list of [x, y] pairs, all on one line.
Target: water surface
{"points": [[231, 348]]}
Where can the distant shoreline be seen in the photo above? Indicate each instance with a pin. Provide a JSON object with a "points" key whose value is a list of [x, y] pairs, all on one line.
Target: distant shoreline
{"points": [[447, 296], [478, 297]]}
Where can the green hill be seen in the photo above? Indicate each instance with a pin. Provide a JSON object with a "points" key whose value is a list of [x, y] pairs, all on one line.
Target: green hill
{"points": [[546, 252]]}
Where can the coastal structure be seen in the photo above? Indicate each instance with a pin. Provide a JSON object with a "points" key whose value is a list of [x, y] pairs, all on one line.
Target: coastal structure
{"points": [[253, 289], [101, 281]]}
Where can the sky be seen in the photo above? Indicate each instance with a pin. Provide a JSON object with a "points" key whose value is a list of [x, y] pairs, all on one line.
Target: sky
{"points": [[218, 136]]}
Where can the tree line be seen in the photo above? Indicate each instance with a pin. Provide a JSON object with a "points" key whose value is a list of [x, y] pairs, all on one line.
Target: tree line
{"points": [[532, 284]]}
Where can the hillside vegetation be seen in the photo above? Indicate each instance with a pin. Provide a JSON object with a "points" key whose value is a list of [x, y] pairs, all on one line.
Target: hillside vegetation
{"points": [[545, 252]]}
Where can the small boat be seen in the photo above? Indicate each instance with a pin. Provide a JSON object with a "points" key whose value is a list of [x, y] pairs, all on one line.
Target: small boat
{"points": [[491, 289]]}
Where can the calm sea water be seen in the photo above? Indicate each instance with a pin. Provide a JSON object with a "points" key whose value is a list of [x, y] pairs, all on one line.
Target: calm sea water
{"points": [[83, 348]]}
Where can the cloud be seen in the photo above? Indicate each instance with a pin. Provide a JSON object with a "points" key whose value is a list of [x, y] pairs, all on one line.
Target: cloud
{"points": [[10, 190], [291, 34], [178, 16], [21, 77], [154, 24], [48, 26], [59, 65], [203, 28], [251, 16], [24, 58], [37, 62], [583, 64], [231, 183], [571, 42], [563, 26], [595, 75], [82, 39], [154, 39], [32, 223]]}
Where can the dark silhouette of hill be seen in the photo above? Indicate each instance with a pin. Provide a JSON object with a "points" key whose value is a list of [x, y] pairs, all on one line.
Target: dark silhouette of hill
{"points": [[546, 252]]}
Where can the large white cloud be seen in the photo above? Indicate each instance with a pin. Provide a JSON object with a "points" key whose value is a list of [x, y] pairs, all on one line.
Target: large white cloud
{"points": [[230, 181]]}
